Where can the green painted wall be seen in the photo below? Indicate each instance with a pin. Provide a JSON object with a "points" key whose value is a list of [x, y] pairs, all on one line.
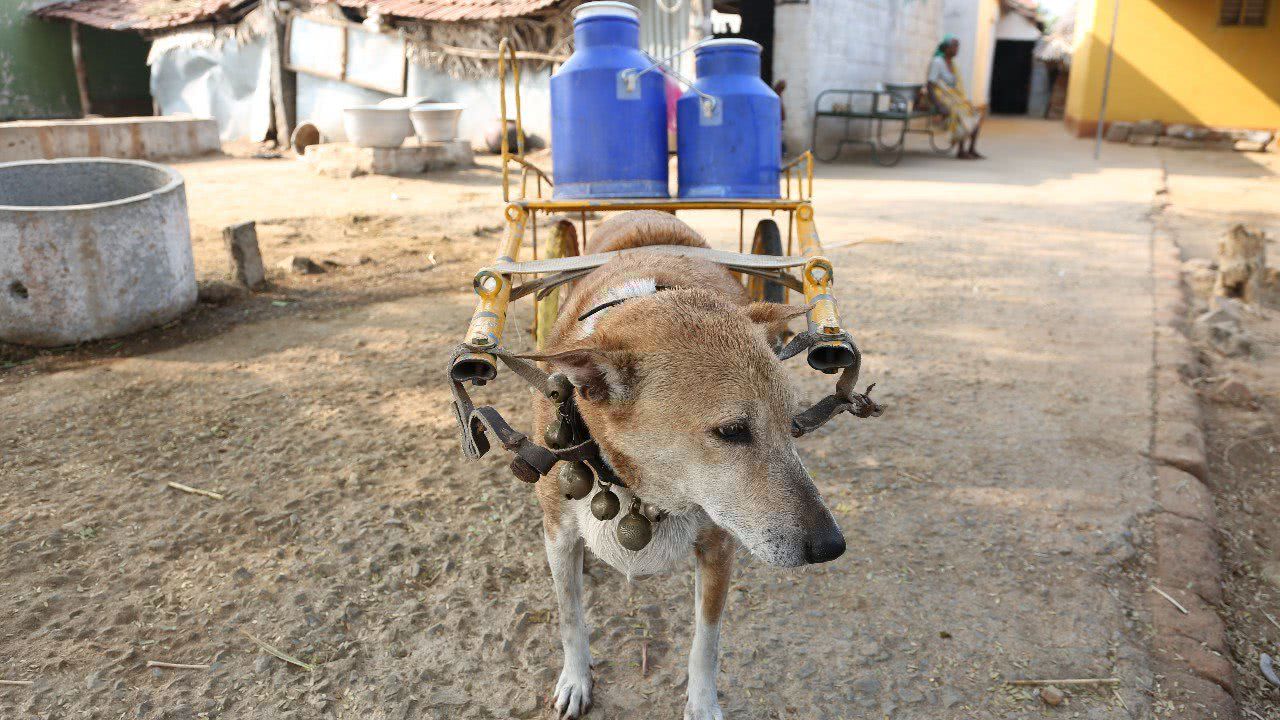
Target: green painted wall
{"points": [[36, 77]]}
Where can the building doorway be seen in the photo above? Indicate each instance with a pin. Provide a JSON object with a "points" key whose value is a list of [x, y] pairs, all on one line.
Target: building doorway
{"points": [[1011, 76], [756, 24]]}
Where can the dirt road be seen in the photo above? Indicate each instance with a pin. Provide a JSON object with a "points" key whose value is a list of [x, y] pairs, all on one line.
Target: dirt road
{"points": [[994, 514]]}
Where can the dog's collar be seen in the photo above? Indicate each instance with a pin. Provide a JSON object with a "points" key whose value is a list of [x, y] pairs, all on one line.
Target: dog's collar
{"points": [[618, 301]]}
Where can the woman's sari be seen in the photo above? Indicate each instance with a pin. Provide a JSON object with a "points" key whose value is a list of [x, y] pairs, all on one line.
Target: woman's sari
{"points": [[962, 117]]}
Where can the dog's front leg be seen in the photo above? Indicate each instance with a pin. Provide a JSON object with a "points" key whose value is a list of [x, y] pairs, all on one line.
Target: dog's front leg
{"points": [[573, 691], [714, 551]]}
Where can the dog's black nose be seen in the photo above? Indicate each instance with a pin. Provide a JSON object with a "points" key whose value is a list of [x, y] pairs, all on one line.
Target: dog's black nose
{"points": [[824, 546]]}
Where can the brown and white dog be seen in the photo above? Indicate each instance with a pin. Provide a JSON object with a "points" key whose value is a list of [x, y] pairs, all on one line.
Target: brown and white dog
{"points": [[689, 405]]}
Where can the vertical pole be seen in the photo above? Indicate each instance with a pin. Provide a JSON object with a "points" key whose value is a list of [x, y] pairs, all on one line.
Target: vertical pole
{"points": [[82, 77], [699, 30], [283, 82], [1106, 82], [563, 243]]}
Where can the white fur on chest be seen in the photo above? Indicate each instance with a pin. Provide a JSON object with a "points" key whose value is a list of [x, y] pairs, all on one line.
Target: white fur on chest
{"points": [[672, 541]]}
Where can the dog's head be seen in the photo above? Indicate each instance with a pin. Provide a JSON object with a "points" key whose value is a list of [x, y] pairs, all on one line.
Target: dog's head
{"points": [[693, 409]]}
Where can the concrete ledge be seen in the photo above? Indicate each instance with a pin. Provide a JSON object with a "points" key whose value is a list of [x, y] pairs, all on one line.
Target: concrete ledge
{"points": [[128, 138], [1189, 647], [344, 160]]}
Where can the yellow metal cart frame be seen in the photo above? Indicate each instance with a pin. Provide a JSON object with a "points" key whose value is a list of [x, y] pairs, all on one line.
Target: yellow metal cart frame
{"points": [[493, 288]]}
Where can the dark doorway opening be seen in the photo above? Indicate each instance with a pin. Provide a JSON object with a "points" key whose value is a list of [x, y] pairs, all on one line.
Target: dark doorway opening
{"points": [[1011, 76], [757, 25]]}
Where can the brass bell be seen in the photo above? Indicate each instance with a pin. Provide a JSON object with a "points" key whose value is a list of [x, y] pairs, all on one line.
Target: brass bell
{"points": [[576, 480], [635, 530], [558, 434], [605, 504], [653, 512], [559, 388]]}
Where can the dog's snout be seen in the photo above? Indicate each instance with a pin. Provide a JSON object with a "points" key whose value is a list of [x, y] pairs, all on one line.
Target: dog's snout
{"points": [[824, 545]]}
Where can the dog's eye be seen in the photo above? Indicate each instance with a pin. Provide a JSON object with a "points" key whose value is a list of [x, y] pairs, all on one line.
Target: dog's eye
{"points": [[737, 432]]}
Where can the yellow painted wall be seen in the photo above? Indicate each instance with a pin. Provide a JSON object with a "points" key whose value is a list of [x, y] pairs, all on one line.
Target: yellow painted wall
{"points": [[1174, 63]]}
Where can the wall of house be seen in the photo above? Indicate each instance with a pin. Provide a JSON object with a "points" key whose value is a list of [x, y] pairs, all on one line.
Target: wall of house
{"points": [[1014, 26], [36, 78], [1174, 63], [480, 98], [827, 44], [321, 101], [974, 23]]}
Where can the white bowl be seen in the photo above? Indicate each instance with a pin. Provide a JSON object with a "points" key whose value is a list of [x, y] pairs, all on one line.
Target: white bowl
{"points": [[374, 126], [435, 122]]}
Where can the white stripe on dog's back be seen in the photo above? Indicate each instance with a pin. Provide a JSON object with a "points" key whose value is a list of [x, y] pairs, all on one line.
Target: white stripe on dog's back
{"points": [[638, 287]]}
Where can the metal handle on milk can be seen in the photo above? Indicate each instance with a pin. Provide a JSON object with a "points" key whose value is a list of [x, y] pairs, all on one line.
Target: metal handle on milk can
{"points": [[629, 81]]}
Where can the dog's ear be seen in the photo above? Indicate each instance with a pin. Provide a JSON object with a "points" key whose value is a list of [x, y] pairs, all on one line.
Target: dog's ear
{"points": [[601, 375], [774, 315]]}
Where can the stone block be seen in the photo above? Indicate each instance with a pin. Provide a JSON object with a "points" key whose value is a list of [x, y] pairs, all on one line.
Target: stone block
{"points": [[1187, 557], [1189, 656], [1148, 127], [1119, 131], [1182, 494], [1195, 698], [1200, 623], [1180, 443], [243, 254], [343, 160]]}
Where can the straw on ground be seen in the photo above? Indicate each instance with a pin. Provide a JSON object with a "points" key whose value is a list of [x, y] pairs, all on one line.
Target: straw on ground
{"points": [[279, 653], [175, 666], [1169, 597], [1064, 681], [195, 491]]}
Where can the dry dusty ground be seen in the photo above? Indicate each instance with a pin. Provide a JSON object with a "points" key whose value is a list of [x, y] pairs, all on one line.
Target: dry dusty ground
{"points": [[994, 514]]}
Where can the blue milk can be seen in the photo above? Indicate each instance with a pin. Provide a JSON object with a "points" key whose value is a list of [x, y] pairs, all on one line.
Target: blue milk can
{"points": [[608, 117], [730, 146]]}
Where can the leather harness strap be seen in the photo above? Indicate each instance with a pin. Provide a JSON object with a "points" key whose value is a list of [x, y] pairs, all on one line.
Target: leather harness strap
{"points": [[530, 461], [844, 399]]}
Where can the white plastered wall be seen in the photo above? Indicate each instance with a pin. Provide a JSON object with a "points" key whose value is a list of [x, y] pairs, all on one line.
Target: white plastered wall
{"points": [[860, 44]]}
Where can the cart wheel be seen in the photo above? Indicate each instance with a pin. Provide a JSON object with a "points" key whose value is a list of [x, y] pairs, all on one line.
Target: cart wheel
{"points": [[933, 141], [767, 241]]}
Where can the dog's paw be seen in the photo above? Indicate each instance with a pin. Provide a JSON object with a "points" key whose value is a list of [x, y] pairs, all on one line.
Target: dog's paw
{"points": [[702, 710], [572, 696]]}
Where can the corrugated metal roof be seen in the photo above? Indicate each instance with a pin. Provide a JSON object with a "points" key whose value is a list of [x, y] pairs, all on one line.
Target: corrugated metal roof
{"points": [[145, 14], [452, 10]]}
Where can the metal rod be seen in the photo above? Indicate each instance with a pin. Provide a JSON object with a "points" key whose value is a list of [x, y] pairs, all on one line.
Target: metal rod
{"points": [[1106, 82], [659, 204]]}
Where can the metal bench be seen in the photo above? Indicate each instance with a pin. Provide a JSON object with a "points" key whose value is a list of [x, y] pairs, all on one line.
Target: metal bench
{"points": [[895, 106]]}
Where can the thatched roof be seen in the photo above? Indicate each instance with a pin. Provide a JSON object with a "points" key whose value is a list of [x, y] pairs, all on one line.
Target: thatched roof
{"points": [[146, 15], [452, 10], [1055, 46]]}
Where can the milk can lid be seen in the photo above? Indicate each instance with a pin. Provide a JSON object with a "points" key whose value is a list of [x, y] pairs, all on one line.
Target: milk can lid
{"points": [[605, 8], [728, 42]]}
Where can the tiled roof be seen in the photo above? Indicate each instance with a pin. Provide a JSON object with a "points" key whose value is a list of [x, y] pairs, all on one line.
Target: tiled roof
{"points": [[452, 10], [144, 14], [1026, 8]]}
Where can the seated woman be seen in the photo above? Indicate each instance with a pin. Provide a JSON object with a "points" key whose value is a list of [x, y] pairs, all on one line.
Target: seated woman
{"points": [[947, 94]]}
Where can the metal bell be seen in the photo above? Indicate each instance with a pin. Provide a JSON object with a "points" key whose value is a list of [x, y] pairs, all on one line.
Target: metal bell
{"points": [[605, 504], [559, 388], [558, 434], [635, 531], [653, 512], [576, 480]]}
